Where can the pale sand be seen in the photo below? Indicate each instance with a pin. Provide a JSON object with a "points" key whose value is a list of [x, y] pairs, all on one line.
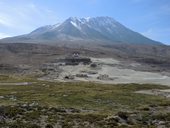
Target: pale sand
{"points": [[118, 75]]}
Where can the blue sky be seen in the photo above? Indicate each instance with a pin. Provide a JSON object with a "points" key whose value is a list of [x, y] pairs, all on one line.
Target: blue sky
{"points": [[148, 17]]}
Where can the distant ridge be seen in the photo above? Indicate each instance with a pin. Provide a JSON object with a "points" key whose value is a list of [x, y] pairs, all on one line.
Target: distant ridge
{"points": [[97, 29]]}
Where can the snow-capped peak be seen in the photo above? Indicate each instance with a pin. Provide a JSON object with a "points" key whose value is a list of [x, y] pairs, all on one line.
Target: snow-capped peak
{"points": [[96, 28], [76, 22], [87, 19]]}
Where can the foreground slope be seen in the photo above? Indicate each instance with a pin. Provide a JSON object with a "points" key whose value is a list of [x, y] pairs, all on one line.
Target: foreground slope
{"points": [[85, 105]]}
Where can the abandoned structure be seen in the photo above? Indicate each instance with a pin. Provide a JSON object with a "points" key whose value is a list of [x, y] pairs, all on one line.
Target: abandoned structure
{"points": [[75, 59]]}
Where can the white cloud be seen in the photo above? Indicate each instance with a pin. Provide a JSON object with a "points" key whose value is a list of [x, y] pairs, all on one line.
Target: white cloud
{"points": [[4, 22], [3, 35], [20, 18]]}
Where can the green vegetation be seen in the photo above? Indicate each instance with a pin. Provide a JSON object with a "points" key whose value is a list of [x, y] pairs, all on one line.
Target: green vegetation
{"points": [[89, 96], [81, 103], [14, 78]]}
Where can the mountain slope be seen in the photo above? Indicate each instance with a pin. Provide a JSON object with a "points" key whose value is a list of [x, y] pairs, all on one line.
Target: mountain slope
{"points": [[99, 29]]}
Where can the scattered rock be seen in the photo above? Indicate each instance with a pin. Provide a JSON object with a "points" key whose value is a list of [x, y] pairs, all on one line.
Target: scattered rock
{"points": [[82, 75], [70, 77], [93, 65], [71, 117], [13, 98], [103, 77], [33, 104], [2, 97], [49, 126], [65, 95]]}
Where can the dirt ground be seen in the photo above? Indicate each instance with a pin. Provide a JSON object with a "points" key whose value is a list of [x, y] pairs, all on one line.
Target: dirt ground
{"points": [[109, 70]]}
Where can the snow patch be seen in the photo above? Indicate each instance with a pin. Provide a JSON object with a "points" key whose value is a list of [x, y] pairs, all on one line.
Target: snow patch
{"points": [[75, 25], [55, 26]]}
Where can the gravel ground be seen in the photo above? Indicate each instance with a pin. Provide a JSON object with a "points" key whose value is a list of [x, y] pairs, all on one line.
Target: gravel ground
{"points": [[116, 71]]}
